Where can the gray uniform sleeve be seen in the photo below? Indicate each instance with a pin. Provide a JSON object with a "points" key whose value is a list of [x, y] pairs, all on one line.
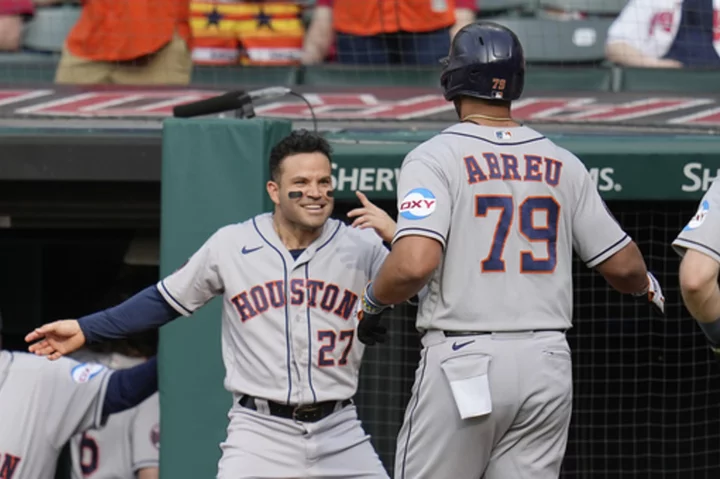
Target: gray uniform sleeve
{"points": [[197, 281], [424, 200], [75, 396], [596, 234], [702, 233], [146, 434]]}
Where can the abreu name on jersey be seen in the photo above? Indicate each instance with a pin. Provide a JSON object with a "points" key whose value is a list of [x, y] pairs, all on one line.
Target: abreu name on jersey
{"points": [[508, 167]]}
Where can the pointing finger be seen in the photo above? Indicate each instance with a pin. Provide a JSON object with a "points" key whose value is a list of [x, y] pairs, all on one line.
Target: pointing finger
{"points": [[363, 199]]}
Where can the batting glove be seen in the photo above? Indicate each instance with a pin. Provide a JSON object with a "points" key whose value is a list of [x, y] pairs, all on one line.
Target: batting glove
{"points": [[370, 330], [654, 294]]}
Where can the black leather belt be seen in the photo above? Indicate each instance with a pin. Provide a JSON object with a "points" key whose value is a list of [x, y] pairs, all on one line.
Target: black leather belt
{"points": [[451, 334], [303, 413]]}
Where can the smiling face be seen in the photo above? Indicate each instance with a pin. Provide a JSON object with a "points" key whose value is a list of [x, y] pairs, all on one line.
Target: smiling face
{"points": [[302, 190]]}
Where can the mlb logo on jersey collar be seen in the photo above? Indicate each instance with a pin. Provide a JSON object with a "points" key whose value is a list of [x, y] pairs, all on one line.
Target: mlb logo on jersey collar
{"points": [[503, 135], [418, 203]]}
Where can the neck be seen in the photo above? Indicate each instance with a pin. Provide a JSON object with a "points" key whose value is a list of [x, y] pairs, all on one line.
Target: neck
{"points": [[293, 236], [487, 114]]}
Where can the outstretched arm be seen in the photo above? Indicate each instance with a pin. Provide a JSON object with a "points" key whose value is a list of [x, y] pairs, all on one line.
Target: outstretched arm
{"points": [[146, 310], [188, 288]]}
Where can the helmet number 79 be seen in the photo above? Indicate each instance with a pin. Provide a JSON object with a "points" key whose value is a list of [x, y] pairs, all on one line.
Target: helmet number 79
{"points": [[498, 84]]}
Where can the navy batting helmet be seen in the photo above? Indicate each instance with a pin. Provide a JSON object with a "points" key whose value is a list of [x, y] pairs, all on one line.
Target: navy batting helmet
{"points": [[486, 61]]}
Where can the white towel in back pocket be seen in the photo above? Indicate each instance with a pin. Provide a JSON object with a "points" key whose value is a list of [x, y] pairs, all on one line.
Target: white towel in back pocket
{"points": [[468, 378]]}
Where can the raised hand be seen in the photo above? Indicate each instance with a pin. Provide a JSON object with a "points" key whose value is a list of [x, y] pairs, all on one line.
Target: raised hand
{"points": [[371, 216]]}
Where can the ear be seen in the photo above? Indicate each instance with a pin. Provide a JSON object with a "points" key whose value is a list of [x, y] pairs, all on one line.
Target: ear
{"points": [[273, 190]]}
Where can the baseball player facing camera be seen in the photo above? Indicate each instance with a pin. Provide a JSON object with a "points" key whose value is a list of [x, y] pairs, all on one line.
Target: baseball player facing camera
{"points": [[291, 282], [489, 214]]}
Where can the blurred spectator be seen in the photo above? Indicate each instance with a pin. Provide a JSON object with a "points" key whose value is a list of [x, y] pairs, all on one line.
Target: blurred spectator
{"points": [[13, 14], [252, 32], [410, 32], [129, 42], [666, 34]]}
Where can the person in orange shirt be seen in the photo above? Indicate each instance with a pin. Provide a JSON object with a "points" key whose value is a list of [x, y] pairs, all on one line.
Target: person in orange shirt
{"points": [[247, 32], [129, 42], [409, 32]]}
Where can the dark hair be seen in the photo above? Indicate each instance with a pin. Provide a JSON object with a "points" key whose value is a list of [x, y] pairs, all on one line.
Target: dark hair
{"points": [[299, 141]]}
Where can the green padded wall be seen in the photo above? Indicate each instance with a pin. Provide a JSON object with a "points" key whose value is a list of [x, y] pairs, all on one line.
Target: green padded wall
{"points": [[213, 174]]}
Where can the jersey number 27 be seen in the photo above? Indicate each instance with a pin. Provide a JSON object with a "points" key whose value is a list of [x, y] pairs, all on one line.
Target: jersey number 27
{"points": [[494, 262]]}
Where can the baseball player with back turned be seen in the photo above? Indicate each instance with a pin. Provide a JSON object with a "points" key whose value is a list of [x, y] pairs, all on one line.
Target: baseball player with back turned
{"points": [[291, 282], [127, 445], [489, 214], [43, 404], [699, 245]]}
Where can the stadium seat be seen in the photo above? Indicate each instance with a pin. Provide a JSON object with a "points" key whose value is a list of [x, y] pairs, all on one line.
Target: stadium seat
{"points": [[560, 41], [684, 81], [47, 30], [357, 75], [244, 77], [491, 7], [26, 68], [601, 7], [559, 79]]}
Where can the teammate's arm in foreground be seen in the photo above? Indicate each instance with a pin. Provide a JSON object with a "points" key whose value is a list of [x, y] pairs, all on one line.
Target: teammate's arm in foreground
{"points": [[417, 246], [699, 245]]}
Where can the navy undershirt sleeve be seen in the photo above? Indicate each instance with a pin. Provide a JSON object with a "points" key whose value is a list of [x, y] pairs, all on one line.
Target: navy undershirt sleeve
{"points": [[129, 387], [146, 310]]}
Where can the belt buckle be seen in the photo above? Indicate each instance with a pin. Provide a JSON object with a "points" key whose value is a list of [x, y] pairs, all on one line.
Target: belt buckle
{"points": [[307, 413]]}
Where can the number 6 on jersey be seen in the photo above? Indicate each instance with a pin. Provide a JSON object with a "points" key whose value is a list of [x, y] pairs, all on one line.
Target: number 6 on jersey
{"points": [[529, 264]]}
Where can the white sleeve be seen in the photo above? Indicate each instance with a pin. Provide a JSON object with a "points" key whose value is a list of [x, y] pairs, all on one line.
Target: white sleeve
{"points": [[198, 280], [596, 233], [75, 397], [702, 232], [424, 200]]}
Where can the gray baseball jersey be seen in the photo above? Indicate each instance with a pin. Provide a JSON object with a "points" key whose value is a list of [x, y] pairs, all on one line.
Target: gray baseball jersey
{"points": [[508, 206], [702, 232], [288, 332], [128, 442], [42, 404]]}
